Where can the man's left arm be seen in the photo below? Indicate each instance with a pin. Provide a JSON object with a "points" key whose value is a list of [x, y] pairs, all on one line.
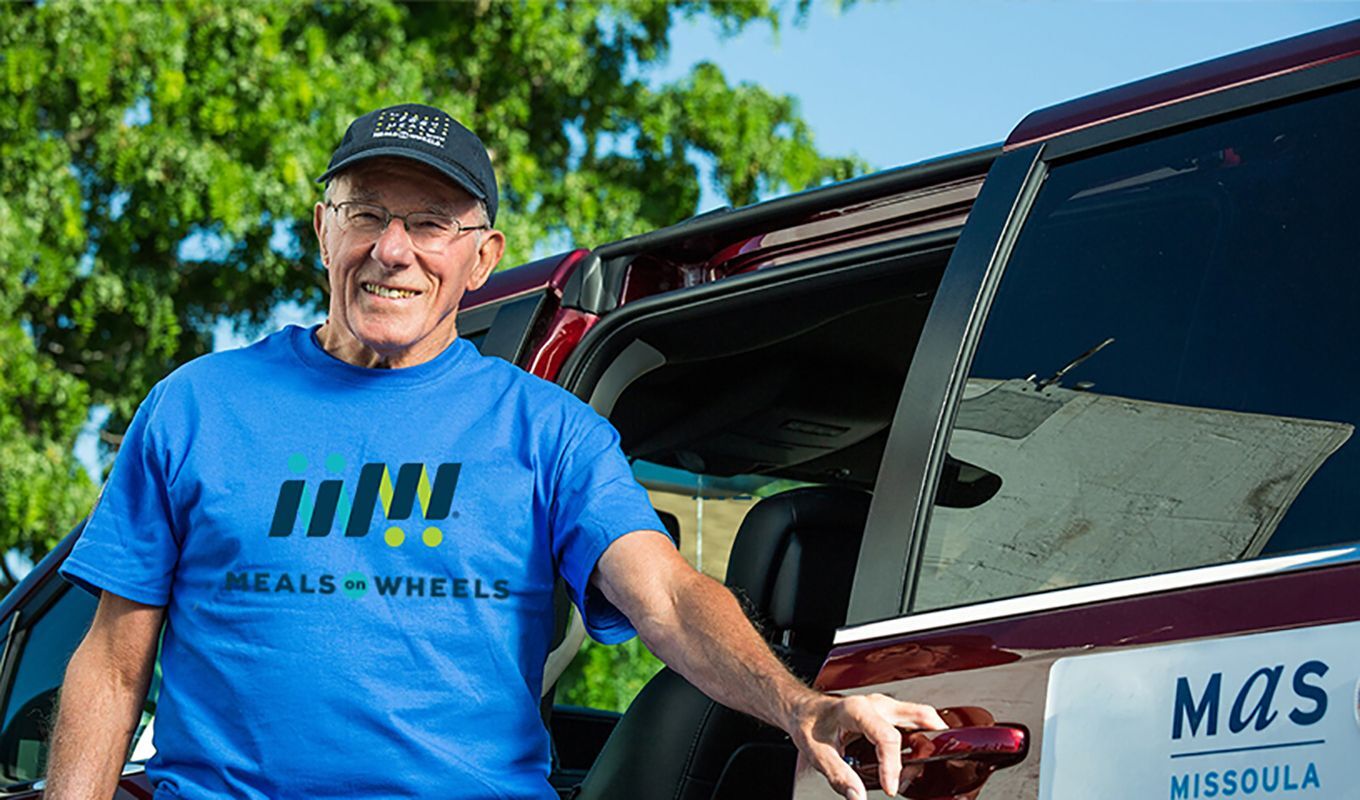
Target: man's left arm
{"points": [[697, 627]]}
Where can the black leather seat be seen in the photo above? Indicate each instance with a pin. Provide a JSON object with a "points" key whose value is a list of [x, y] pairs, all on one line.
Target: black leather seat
{"points": [[792, 563]]}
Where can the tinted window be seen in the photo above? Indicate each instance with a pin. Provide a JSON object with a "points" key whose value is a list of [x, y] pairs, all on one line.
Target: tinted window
{"points": [[32, 699], [1167, 377]]}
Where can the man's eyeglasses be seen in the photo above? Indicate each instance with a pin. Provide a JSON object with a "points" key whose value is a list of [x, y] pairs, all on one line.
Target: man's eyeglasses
{"points": [[429, 231]]}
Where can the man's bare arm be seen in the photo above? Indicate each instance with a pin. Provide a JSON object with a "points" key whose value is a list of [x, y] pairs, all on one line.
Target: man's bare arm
{"points": [[101, 699], [695, 625]]}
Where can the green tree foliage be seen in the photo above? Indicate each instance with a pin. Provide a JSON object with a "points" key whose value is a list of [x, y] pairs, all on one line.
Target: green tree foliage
{"points": [[128, 129], [607, 677]]}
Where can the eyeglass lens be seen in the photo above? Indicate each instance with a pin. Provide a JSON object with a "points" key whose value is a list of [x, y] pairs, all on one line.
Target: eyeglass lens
{"points": [[428, 230]]}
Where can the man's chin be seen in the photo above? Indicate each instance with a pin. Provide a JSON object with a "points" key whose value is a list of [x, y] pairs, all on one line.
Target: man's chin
{"points": [[387, 336], [393, 339]]}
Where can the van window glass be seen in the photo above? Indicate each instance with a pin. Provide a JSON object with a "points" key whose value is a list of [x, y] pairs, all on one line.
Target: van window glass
{"points": [[31, 701], [1168, 375]]}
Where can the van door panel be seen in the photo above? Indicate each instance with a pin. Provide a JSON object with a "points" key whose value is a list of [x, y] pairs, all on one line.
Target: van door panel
{"points": [[1004, 666]]}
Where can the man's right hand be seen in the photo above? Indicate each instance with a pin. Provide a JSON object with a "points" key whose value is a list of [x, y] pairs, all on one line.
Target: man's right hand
{"points": [[824, 723]]}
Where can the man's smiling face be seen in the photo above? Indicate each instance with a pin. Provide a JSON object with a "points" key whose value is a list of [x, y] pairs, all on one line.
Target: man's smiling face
{"points": [[393, 304]]}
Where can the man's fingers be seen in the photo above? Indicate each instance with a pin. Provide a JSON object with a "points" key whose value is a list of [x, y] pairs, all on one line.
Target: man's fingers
{"points": [[917, 716], [927, 718], [827, 760], [878, 718], [867, 717], [913, 716], [890, 763]]}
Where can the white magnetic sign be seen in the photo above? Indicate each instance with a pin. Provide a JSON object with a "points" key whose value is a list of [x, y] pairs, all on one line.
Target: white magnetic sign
{"points": [[1270, 715]]}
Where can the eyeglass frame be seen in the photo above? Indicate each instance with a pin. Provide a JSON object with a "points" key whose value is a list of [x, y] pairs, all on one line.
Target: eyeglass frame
{"points": [[388, 216]]}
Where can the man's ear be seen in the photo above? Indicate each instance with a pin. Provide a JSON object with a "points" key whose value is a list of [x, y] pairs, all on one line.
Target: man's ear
{"points": [[488, 256], [318, 225]]}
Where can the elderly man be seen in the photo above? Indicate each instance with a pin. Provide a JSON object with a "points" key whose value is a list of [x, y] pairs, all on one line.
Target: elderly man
{"points": [[315, 648]]}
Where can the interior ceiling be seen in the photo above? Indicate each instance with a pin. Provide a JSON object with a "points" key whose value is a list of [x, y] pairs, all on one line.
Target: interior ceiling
{"points": [[801, 386]]}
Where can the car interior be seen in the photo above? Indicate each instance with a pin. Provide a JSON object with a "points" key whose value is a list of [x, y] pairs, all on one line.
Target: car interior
{"points": [[794, 376]]}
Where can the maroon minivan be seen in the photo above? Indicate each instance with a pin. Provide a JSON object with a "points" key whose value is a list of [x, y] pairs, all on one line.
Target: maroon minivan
{"points": [[1055, 435]]}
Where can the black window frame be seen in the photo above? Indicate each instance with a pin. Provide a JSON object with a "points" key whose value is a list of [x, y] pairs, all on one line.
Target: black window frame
{"points": [[503, 328]]}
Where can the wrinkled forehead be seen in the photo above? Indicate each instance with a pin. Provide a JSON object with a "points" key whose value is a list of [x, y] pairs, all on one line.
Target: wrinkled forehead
{"points": [[399, 182]]}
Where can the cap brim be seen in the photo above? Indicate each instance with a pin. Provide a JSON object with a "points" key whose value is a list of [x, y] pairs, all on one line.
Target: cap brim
{"points": [[450, 170]]}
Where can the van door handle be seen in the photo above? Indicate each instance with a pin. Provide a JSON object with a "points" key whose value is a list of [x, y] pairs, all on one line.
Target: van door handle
{"points": [[945, 763]]}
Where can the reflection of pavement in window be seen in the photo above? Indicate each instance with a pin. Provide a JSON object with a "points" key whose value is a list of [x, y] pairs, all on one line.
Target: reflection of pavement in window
{"points": [[1096, 487]]}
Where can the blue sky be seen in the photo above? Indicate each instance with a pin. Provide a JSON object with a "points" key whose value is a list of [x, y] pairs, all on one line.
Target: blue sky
{"points": [[900, 82]]}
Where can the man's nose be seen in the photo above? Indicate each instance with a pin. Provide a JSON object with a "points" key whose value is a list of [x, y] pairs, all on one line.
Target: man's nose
{"points": [[393, 246]]}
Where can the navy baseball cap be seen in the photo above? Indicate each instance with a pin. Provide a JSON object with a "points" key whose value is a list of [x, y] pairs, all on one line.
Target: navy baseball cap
{"points": [[421, 133]]}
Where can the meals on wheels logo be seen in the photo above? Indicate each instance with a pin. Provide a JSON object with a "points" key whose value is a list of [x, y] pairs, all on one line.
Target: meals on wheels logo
{"points": [[355, 515], [331, 506]]}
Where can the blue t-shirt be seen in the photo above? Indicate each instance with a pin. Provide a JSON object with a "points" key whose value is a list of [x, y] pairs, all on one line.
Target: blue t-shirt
{"points": [[358, 567]]}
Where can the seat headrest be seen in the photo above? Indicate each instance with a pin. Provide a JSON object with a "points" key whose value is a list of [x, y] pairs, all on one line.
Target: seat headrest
{"points": [[794, 558]]}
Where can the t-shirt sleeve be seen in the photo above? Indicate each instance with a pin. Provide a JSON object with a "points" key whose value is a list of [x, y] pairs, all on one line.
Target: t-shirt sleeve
{"points": [[129, 545], [596, 501]]}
